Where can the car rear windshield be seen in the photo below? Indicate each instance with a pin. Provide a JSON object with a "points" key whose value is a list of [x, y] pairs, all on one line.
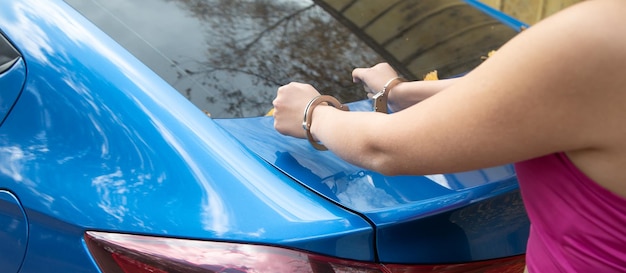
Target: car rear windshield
{"points": [[229, 56]]}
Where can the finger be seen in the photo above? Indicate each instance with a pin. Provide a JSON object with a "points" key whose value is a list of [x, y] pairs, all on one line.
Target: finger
{"points": [[280, 90], [357, 74]]}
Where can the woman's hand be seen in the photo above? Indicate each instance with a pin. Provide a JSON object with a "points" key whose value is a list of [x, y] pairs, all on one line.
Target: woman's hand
{"points": [[402, 95], [374, 78], [289, 104]]}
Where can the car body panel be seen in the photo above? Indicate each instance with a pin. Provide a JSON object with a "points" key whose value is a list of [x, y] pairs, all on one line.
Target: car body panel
{"points": [[417, 218], [14, 235], [11, 81], [97, 141], [110, 146]]}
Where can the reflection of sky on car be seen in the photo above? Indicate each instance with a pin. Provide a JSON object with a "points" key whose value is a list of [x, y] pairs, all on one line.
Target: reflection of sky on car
{"points": [[119, 163]]}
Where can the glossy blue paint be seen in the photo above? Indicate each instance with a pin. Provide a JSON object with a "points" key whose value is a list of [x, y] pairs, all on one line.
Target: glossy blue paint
{"points": [[458, 217], [415, 216], [13, 232], [98, 142], [11, 81]]}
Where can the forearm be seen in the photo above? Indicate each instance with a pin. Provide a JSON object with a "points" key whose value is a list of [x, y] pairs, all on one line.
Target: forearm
{"points": [[406, 94], [356, 136], [350, 135], [492, 115]]}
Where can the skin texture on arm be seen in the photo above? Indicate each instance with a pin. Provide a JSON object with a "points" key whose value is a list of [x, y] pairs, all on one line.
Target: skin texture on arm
{"points": [[557, 86], [405, 94]]}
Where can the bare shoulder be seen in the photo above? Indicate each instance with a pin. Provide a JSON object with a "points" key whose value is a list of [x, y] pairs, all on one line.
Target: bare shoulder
{"points": [[601, 88], [557, 86], [570, 67], [596, 24], [579, 86]]}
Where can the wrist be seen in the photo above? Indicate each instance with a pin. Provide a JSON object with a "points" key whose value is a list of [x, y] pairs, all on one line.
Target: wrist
{"points": [[396, 96], [380, 99], [319, 115], [318, 103]]}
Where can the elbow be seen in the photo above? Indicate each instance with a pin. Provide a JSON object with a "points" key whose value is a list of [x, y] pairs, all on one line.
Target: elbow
{"points": [[383, 162], [386, 157], [387, 168]]}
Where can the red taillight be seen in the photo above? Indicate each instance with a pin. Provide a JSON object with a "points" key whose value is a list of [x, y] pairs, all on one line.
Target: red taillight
{"points": [[123, 253], [117, 253], [515, 264], [129, 265]]}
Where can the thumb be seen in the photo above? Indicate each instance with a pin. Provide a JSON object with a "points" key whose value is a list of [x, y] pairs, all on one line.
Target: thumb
{"points": [[356, 75]]}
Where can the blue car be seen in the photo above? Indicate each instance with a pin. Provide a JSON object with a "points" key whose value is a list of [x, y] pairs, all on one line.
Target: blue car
{"points": [[133, 139]]}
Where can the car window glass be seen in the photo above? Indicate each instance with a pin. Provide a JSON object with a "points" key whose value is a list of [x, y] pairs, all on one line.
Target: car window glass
{"points": [[8, 54], [229, 56]]}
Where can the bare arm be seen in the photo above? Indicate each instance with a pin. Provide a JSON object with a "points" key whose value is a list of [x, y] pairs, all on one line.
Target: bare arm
{"points": [[407, 94], [404, 94], [533, 97]]}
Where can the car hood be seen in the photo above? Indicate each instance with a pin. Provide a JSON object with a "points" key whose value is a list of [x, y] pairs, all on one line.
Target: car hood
{"points": [[440, 216]]}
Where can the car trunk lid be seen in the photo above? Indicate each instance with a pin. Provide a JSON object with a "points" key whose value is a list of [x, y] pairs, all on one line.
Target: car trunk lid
{"points": [[406, 210]]}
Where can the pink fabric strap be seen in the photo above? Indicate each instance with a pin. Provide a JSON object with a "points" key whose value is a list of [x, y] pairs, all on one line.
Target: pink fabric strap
{"points": [[576, 224]]}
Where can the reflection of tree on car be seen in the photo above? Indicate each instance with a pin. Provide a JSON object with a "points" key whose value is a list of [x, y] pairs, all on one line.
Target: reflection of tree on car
{"points": [[108, 162], [283, 42]]}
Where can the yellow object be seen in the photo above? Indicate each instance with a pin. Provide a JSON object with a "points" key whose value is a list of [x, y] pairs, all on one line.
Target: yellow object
{"points": [[431, 76], [488, 55]]}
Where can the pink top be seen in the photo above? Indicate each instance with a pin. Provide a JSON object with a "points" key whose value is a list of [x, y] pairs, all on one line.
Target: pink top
{"points": [[576, 224]]}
